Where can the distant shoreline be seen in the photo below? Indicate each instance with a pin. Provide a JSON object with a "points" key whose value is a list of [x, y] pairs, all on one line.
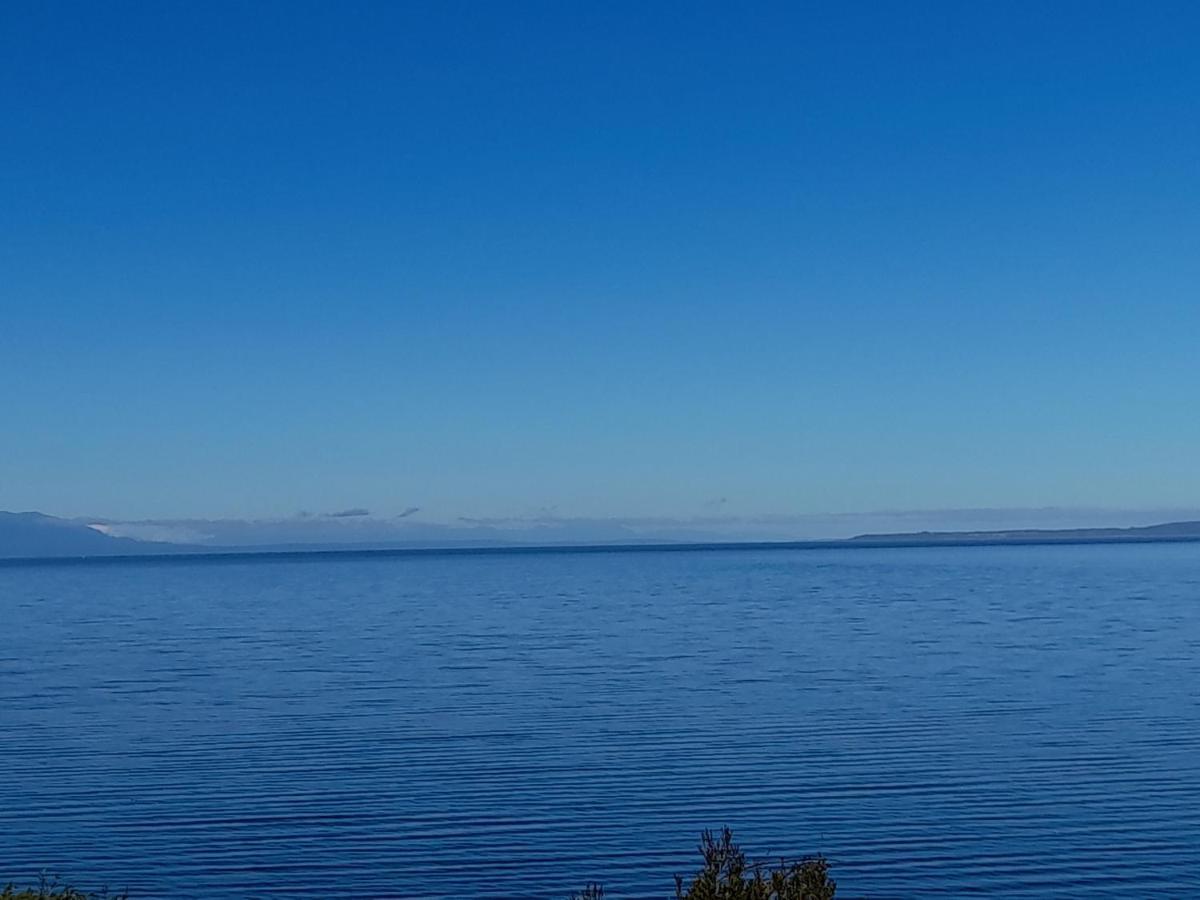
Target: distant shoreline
{"points": [[862, 542]]}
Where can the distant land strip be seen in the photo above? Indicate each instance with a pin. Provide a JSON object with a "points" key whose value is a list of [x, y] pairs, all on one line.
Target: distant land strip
{"points": [[1172, 532]]}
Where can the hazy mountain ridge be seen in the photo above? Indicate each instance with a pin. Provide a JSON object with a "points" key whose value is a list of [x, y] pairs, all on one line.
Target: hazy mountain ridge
{"points": [[1164, 531], [34, 534]]}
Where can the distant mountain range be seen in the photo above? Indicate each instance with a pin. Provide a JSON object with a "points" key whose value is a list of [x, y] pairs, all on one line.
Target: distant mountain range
{"points": [[33, 535]]}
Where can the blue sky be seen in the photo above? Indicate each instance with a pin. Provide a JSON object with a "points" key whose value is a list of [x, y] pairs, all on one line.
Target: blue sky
{"points": [[598, 260]]}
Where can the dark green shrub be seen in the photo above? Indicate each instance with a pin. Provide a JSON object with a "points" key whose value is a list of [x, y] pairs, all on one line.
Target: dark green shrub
{"points": [[726, 875]]}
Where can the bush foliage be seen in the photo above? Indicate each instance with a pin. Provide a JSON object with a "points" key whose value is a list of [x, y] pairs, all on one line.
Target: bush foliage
{"points": [[727, 875], [50, 889]]}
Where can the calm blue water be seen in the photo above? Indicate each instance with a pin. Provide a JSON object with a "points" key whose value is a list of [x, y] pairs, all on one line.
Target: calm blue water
{"points": [[1005, 722]]}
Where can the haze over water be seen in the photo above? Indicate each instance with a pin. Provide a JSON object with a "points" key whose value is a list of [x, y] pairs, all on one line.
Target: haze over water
{"points": [[1006, 722]]}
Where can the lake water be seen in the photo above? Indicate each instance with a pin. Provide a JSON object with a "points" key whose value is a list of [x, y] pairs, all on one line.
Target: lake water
{"points": [[1005, 722]]}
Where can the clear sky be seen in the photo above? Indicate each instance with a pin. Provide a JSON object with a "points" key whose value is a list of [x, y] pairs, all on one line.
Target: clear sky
{"points": [[604, 259]]}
